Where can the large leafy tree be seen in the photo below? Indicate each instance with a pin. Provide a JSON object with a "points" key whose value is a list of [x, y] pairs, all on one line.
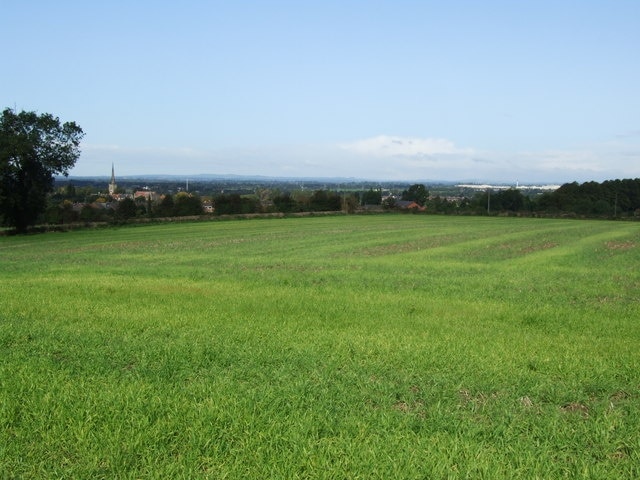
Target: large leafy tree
{"points": [[33, 148]]}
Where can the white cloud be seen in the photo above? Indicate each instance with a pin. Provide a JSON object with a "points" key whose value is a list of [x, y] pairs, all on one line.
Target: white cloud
{"points": [[392, 146]]}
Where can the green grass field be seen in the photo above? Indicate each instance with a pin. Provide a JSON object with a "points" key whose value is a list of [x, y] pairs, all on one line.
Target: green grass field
{"points": [[390, 346]]}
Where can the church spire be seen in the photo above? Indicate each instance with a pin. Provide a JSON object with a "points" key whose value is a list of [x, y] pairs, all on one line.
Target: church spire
{"points": [[112, 184]]}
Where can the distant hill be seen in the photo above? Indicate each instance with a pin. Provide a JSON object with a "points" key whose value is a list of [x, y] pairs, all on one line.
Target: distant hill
{"points": [[217, 177]]}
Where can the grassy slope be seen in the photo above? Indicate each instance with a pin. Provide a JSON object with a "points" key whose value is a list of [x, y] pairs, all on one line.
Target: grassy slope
{"points": [[358, 347]]}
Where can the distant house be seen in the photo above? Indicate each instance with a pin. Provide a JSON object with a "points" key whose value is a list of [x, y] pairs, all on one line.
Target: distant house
{"points": [[409, 205], [147, 194], [121, 196]]}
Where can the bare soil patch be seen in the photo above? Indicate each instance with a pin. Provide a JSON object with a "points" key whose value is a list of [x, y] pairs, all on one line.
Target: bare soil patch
{"points": [[620, 245]]}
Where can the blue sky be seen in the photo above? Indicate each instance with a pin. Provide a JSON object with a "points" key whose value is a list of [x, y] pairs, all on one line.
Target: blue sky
{"points": [[527, 91]]}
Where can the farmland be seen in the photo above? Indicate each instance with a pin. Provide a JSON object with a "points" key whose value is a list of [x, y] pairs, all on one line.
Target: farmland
{"points": [[388, 346]]}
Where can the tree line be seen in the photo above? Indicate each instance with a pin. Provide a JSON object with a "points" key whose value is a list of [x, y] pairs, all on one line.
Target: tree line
{"points": [[36, 147], [611, 198], [62, 210]]}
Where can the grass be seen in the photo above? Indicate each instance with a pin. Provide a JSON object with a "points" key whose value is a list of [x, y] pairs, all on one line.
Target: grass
{"points": [[391, 346]]}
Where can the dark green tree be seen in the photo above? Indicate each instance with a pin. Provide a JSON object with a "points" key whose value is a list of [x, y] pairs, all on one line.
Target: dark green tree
{"points": [[235, 204], [324, 201], [484, 202], [33, 148], [510, 200], [126, 209], [165, 207], [389, 203], [441, 205], [417, 193], [349, 203], [227, 204], [319, 201], [284, 203], [372, 197], [70, 191], [90, 213], [186, 205]]}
